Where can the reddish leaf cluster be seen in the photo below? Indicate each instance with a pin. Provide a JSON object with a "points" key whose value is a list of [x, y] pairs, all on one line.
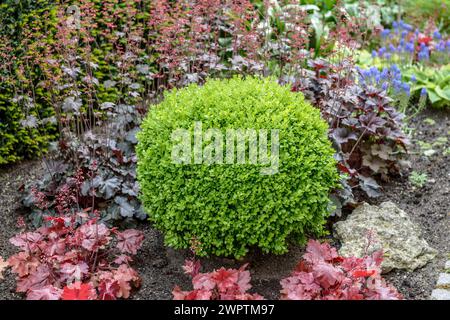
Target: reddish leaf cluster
{"points": [[324, 275], [73, 259], [222, 284]]}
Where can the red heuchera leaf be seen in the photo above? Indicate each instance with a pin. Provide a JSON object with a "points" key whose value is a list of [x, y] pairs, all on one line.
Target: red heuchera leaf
{"points": [[23, 264], [123, 258], [300, 286], [37, 279], [125, 277], [203, 281], [191, 267], [129, 241], [27, 242], [324, 275], [74, 272], [74, 246], [79, 291], [198, 294], [316, 252], [327, 275], [244, 278], [108, 289], [225, 279], [45, 293], [65, 251], [53, 247], [222, 284], [92, 235], [363, 273]]}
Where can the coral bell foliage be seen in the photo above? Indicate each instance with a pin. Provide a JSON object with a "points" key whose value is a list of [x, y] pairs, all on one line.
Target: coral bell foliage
{"points": [[231, 207], [222, 284], [321, 275], [324, 275], [75, 258]]}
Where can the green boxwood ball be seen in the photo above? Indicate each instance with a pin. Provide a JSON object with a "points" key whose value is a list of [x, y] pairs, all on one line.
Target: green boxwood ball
{"points": [[229, 206]]}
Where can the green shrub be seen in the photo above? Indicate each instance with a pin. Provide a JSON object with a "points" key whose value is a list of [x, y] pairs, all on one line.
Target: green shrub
{"points": [[18, 141], [229, 207]]}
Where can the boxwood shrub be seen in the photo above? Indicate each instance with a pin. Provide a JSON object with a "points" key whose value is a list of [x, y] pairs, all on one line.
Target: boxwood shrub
{"points": [[228, 208]]}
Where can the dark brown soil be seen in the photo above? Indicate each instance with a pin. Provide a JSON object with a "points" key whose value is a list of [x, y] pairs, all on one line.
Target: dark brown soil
{"points": [[428, 206], [160, 267]]}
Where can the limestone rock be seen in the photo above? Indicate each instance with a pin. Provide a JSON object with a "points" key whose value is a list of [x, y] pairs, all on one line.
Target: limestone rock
{"points": [[394, 232], [440, 294], [443, 281]]}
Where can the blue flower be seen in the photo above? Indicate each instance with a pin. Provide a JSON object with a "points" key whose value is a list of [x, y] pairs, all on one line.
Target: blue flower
{"points": [[392, 48], [374, 54], [424, 52], [384, 74], [385, 86], [385, 33], [378, 78], [413, 78], [406, 88], [395, 68], [440, 46], [365, 74], [423, 92], [407, 27], [437, 35], [374, 71], [409, 47], [397, 84]]}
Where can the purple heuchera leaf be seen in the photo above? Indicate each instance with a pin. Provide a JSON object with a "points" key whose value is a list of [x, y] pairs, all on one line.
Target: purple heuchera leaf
{"points": [[343, 135], [370, 186]]}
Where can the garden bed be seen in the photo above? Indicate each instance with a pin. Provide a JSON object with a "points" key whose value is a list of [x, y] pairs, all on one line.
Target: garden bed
{"points": [[160, 267]]}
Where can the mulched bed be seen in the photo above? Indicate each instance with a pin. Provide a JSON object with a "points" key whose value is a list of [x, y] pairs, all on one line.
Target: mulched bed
{"points": [[160, 267]]}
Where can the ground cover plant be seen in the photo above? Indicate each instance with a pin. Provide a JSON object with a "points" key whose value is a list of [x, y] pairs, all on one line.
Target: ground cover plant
{"points": [[74, 256], [321, 275]]}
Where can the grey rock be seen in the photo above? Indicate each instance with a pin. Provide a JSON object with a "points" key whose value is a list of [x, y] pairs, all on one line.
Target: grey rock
{"points": [[443, 281], [440, 294], [447, 265], [393, 232]]}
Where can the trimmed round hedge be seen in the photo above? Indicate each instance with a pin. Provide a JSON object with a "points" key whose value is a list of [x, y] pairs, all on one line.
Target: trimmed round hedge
{"points": [[230, 207]]}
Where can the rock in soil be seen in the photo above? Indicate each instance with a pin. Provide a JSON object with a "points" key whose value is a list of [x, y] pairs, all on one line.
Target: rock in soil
{"points": [[393, 231]]}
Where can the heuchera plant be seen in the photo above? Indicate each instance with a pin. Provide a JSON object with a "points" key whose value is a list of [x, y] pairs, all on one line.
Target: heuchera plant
{"points": [[74, 256], [222, 284], [321, 275], [364, 126], [324, 275]]}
